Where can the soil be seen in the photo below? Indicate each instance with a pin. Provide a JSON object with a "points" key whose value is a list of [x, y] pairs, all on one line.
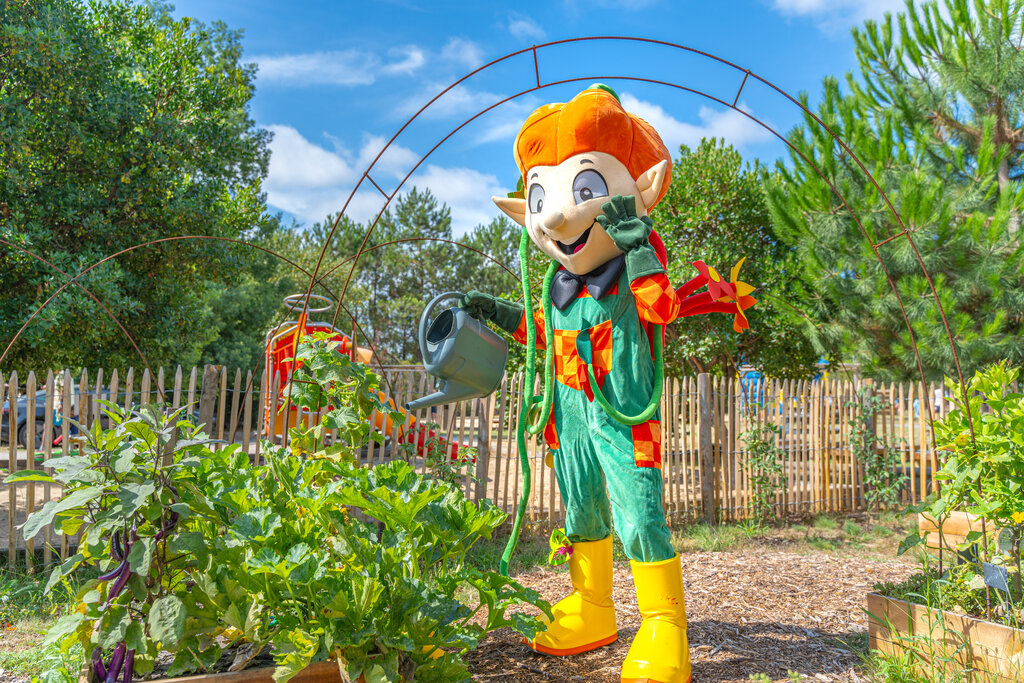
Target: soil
{"points": [[750, 612]]}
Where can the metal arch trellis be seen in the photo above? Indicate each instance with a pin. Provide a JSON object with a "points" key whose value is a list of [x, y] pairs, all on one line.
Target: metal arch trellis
{"points": [[533, 50], [746, 74]]}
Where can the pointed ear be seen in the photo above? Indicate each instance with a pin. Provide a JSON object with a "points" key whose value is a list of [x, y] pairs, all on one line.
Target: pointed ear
{"points": [[514, 208], [650, 182]]}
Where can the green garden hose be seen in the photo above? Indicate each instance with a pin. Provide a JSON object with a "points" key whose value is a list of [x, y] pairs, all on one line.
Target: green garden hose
{"points": [[525, 425]]}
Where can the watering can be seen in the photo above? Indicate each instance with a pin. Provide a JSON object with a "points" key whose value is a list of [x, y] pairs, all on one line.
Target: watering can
{"points": [[462, 352]]}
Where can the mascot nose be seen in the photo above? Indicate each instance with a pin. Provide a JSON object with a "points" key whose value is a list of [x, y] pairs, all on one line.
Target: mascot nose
{"points": [[553, 221]]}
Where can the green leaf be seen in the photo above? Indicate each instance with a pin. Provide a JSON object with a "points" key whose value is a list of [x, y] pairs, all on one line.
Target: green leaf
{"points": [[167, 621], [257, 525], [42, 517], [27, 475], [134, 496], [141, 556], [63, 627], [113, 626], [912, 539]]}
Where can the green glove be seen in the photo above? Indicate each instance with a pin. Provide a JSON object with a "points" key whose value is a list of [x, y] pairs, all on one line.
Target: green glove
{"points": [[505, 314], [630, 234]]}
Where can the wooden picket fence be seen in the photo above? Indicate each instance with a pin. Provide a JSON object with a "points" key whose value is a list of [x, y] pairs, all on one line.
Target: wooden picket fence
{"points": [[703, 421]]}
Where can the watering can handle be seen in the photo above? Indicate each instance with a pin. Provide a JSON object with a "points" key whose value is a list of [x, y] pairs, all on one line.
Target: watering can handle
{"points": [[425, 318]]}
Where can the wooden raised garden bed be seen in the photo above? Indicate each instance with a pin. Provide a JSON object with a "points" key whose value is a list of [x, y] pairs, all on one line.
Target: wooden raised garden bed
{"points": [[321, 672], [945, 641]]}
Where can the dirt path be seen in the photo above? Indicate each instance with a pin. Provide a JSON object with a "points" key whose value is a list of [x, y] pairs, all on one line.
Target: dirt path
{"points": [[749, 613]]}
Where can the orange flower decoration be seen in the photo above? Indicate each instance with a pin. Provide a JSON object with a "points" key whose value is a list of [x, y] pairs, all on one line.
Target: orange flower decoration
{"points": [[731, 291]]}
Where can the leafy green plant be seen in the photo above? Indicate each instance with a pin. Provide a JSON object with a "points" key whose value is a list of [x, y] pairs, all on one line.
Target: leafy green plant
{"points": [[882, 482], [983, 476], [125, 485], [308, 556], [765, 465]]}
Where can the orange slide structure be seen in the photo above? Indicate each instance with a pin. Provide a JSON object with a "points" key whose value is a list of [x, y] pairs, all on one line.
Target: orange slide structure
{"points": [[281, 344]]}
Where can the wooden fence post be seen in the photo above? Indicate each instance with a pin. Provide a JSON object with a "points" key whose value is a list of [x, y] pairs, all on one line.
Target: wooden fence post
{"points": [[208, 397], [707, 455]]}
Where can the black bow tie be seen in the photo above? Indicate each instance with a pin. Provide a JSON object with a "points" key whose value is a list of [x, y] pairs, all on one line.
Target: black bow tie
{"points": [[566, 286]]}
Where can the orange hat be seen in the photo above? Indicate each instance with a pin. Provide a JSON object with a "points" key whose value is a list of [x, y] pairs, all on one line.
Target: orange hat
{"points": [[593, 121]]}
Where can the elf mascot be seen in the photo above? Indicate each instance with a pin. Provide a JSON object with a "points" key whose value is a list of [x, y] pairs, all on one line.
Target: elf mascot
{"points": [[591, 173]]}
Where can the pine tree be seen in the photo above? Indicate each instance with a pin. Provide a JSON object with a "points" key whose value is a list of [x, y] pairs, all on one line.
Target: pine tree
{"points": [[935, 115]]}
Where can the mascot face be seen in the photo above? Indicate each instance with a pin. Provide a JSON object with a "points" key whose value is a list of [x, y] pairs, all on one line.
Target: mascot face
{"points": [[574, 157], [564, 201]]}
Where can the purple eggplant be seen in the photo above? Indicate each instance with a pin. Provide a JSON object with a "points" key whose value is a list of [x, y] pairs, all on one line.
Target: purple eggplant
{"points": [[97, 664], [118, 585], [116, 571], [115, 546], [129, 667], [169, 524], [115, 663]]}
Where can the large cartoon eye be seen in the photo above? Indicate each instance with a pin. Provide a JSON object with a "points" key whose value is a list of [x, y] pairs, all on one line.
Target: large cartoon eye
{"points": [[588, 185], [536, 198]]}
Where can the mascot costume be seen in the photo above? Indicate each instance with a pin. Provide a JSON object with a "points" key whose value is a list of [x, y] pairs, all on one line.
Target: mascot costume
{"points": [[591, 173]]}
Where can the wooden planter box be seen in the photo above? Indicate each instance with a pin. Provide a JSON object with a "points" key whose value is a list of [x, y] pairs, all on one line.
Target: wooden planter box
{"points": [[945, 642], [955, 529], [321, 672]]}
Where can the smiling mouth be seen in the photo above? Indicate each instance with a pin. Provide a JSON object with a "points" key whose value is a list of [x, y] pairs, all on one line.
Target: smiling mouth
{"points": [[580, 242]]}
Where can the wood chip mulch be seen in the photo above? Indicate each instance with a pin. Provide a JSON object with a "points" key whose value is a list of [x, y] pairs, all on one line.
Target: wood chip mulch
{"points": [[749, 613]]}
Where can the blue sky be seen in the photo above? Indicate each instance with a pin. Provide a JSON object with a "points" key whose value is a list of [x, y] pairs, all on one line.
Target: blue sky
{"points": [[338, 79]]}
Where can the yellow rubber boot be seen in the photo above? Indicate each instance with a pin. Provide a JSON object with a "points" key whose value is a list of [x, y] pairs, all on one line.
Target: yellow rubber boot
{"points": [[585, 619], [660, 652]]}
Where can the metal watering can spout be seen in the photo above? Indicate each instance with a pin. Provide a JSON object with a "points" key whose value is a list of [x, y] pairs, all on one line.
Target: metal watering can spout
{"points": [[462, 352], [450, 392]]}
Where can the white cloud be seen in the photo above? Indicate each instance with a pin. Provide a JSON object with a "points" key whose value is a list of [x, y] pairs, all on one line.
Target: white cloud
{"points": [[524, 28], [463, 52], [460, 101], [837, 15], [737, 129], [467, 193], [311, 181], [295, 162], [410, 58], [339, 67]]}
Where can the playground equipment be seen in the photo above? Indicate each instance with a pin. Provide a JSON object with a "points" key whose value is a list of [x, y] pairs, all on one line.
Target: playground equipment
{"points": [[462, 352], [281, 344]]}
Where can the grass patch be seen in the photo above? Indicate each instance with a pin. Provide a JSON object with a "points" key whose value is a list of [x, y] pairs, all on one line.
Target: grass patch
{"points": [[822, 543], [851, 528], [710, 539], [825, 523]]}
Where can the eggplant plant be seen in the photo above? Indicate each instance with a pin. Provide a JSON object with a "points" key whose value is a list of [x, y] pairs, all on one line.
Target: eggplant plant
{"points": [[121, 490]]}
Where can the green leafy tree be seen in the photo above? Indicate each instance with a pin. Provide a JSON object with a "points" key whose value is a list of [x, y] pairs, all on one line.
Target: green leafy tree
{"points": [[121, 125], [253, 304], [715, 211], [935, 116]]}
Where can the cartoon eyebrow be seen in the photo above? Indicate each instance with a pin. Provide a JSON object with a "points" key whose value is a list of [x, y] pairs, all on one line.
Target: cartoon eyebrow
{"points": [[586, 161], [534, 175]]}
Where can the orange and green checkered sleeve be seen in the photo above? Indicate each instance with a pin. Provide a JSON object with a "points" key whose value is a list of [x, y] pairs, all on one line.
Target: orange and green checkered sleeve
{"points": [[520, 334], [656, 299]]}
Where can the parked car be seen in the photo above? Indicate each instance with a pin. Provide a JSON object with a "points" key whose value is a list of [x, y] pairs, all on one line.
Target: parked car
{"points": [[21, 421]]}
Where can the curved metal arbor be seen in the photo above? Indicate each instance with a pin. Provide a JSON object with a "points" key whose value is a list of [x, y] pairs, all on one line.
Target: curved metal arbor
{"points": [[743, 77]]}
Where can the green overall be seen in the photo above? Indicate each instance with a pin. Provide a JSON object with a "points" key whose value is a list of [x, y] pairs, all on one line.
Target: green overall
{"points": [[591, 450]]}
